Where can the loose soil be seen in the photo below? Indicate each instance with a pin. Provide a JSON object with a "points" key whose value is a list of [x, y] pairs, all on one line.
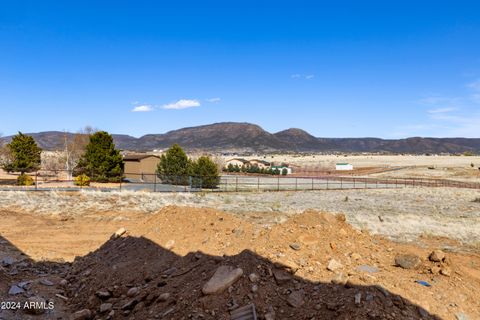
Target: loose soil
{"points": [[169, 255]]}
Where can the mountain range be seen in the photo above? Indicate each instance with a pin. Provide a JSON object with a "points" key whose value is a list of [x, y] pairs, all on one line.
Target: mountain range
{"points": [[245, 137]]}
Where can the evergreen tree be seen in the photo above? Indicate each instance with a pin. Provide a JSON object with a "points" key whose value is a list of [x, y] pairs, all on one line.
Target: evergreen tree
{"points": [[24, 154], [101, 161], [205, 173], [174, 166]]}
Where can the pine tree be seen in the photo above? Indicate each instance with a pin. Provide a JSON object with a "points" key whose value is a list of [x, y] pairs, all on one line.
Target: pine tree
{"points": [[174, 166], [101, 161], [24, 154], [205, 173]]}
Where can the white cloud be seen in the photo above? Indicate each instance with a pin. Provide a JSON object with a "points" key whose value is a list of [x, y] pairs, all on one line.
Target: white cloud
{"points": [[143, 108], [441, 110], [182, 104], [214, 100], [302, 76]]}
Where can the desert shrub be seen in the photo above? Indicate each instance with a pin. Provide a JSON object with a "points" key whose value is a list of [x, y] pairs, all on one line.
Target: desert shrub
{"points": [[284, 172], [25, 180], [82, 180], [476, 200]]}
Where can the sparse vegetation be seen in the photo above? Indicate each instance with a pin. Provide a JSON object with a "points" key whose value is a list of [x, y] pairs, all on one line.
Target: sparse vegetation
{"points": [[25, 180], [82, 180], [476, 200]]}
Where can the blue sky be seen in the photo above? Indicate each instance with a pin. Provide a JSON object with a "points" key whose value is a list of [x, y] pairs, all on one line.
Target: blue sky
{"points": [[387, 69]]}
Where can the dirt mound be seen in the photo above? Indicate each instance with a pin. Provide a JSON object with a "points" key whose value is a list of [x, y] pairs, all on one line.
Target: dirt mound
{"points": [[144, 281], [312, 266]]}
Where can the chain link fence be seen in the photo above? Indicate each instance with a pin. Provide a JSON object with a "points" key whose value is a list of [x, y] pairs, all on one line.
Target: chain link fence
{"points": [[62, 180]]}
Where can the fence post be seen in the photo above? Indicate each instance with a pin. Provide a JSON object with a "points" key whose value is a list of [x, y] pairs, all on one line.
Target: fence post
{"points": [[354, 186], [313, 186], [258, 184], [296, 184], [236, 183], [155, 183], [278, 183], [36, 180], [341, 183], [327, 182]]}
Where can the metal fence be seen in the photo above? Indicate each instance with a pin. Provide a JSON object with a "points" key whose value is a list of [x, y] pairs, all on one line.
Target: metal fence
{"points": [[60, 180]]}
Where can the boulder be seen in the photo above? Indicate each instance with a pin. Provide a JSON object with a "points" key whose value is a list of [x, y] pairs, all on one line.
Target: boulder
{"points": [[223, 278], [408, 261]]}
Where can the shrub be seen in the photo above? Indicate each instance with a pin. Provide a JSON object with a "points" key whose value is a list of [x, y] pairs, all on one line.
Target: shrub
{"points": [[284, 172], [24, 180], [476, 200], [82, 180]]}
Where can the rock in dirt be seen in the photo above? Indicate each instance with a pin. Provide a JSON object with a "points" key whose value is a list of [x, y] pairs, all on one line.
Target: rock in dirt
{"points": [[84, 314], [461, 316], [164, 297], [46, 282], [358, 298], [408, 261], [7, 261], [254, 277], [120, 232], [340, 279], [14, 290], [270, 316], [445, 271], [170, 245], [281, 276], [334, 265], [295, 246], [437, 256], [106, 307], [133, 292], [296, 299], [223, 278]]}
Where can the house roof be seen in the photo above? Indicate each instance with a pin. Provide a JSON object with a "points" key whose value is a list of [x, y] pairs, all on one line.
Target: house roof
{"points": [[238, 159], [343, 164], [261, 161], [138, 157]]}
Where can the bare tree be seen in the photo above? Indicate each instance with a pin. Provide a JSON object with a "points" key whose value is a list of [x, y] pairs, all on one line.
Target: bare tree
{"points": [[74, 147]]}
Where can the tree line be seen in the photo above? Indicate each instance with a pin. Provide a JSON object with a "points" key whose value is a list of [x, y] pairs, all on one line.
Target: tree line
{"points": [[93, 157]]}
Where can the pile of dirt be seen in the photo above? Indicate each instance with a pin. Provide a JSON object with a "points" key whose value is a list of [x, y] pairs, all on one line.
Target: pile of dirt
{"points": [[133, 278], [190, 263]]}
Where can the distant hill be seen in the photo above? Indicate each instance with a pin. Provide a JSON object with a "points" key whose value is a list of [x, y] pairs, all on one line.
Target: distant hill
{"points": [[246, 137]]}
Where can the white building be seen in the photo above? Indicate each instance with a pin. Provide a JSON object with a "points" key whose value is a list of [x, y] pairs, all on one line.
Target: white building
{"points": [[343, 167]]}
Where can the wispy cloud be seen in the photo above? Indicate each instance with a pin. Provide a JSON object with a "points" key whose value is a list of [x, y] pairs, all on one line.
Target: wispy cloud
{"points": [[448, 116], [441, 110], [182, 104], [302, 76], [214, 100], [143, 108]]}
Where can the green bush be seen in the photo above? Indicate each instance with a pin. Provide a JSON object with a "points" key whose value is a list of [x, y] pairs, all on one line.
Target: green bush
{"points": [[174, 167], [24, 180], [82, 180], [205, 173]]}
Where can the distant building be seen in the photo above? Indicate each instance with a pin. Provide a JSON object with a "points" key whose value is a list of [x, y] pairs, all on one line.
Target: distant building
{"points": [[343, 167], [262, 164], [282, 168], [140, 166], [236, 162]]}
